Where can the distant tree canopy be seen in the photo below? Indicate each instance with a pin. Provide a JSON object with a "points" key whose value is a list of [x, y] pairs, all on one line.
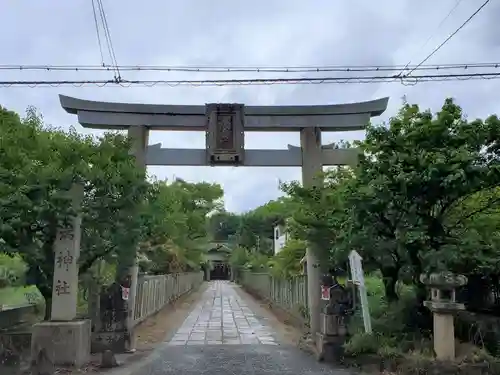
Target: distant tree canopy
{"points": [[254, 228]]}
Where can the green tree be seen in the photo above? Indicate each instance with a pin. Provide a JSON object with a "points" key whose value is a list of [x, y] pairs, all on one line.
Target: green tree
{"points": [[176, 235], [223, 225], [415, 172], [38, 167], [416, 200], [287, 263]]}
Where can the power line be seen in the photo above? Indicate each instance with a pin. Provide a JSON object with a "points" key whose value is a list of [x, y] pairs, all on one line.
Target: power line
{"points": [[406, 80], [107, 37], [457, 3], [451, 36], [110, 41], [97, 32], [252, 69]]}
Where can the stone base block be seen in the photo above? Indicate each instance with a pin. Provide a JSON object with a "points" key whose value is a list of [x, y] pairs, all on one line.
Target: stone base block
{"points": [[116, 341], [329, 348], [66, 343]]}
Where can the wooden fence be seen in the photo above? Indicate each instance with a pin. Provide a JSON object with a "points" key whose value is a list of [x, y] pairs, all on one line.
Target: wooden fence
{"points": [[154, 292], [288, 294]]}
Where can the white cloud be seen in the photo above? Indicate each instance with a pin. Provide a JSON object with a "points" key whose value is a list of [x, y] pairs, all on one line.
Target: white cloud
{"points": [[271, 32]]}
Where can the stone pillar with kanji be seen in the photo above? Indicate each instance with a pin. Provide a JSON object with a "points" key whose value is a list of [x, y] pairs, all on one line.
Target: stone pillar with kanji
{"points": [[65, 339], [66, 255]]}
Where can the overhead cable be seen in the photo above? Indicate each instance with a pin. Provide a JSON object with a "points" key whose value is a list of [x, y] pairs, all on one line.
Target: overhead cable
{"points": [[252, 69], [98, 33], [457, 3], [407, 80], [107, 37], [450, 36]]}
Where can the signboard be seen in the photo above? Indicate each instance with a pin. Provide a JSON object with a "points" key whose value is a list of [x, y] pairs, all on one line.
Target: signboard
{"points": [[358, 278], [325, 292], [125, 293], [225, 134], [357, 274]]}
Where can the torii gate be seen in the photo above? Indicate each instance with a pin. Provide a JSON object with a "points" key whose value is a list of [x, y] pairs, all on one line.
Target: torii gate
{"points": [[225, 126]]}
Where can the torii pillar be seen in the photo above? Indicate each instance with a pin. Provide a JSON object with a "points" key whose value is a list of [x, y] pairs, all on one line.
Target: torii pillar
{"points": [[139, 136], [312, 166], [225, 126]]}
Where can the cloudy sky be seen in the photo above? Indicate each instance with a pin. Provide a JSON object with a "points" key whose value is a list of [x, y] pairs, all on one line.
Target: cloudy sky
{"points": [[250, 33]]}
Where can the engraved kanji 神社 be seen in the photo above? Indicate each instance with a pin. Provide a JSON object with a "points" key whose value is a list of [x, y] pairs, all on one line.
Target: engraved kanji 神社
{"points": [[64, 259], [62, 287]]}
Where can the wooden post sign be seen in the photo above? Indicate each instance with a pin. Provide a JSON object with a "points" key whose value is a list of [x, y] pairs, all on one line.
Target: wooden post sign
{"points": [[358, 279]]}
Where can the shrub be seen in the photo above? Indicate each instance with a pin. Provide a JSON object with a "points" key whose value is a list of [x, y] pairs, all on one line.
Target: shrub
{"points": [[286, 263], [395, 320], [366, 343], [389, 352], [12, 270], [362, 343], [395, 325]]}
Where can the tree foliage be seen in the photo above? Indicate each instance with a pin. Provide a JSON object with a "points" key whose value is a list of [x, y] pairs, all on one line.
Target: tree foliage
{"points": [[121, 212], [287, 262], [423, 197], [175, 224], [253, 229], [251, 235]]}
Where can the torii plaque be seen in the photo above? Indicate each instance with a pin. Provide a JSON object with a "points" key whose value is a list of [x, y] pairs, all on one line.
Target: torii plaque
{"points": [[225, 126], [225, 136]]}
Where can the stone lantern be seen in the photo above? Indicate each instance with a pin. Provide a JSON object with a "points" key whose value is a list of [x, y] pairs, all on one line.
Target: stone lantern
{"points": [[443, 306]]}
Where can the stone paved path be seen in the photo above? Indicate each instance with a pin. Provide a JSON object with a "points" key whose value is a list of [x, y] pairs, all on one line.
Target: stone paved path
{"points": [[222, 317], [223, 335]]}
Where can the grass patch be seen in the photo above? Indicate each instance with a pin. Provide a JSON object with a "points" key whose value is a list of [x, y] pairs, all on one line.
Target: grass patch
{"points": [[21, 295], [13, 292]]}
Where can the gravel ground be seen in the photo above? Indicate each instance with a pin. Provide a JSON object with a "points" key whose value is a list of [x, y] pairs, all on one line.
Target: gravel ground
{"points": [[279, 357], [234, 359]]}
